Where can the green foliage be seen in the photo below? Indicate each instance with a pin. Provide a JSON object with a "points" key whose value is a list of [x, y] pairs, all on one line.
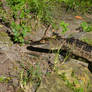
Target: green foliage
{"points": [[63, 76], [19, 31], [80, 5], [64, 27], [4, 79], [72, 86], [18, 7], [2, 11], [21, 15], [30, 75], [25, 10], [86, 27]]}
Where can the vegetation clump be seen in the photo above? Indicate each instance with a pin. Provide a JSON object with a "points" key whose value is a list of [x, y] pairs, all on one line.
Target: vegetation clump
{"points": [[18, 13], [86, 27]]}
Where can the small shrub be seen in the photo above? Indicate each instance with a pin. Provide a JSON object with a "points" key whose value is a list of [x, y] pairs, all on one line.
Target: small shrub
{"points": [[64, 27], [86, 27], [19, 32], [23, 11]]}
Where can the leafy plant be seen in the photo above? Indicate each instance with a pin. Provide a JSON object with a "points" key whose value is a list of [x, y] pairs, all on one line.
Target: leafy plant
{"points": [[18, 8], [4, 79], [26, 8], [86, 27], [20, 31], [22, 13], [64, 27]]}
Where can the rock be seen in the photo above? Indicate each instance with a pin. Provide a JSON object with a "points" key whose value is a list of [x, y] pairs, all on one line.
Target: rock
{"points": [[69, 77], [15, 82], [5, 41], [37, 31], [53, 83], [76, 74]]}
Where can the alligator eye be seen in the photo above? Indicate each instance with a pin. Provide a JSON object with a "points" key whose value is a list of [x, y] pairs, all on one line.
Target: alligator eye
{"points": [[42, 41]]}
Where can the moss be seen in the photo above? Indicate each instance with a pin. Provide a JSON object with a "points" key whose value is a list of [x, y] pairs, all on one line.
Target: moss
{"points": [[5, 39]]}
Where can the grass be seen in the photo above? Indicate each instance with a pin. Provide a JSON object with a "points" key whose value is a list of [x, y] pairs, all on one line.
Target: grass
{"points": [[30, 76], [74, 85], [20, 14], [78, 6], [4, 79], [22, 11]]}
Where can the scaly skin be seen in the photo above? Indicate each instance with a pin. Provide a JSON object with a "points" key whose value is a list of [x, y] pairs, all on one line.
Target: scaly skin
{"points": [[75, 46]]}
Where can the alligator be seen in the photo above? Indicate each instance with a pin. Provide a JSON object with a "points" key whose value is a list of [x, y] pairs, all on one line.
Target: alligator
{"points": [[75, 46]]}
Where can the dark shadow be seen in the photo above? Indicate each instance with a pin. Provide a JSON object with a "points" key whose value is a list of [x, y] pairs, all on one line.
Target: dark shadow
{"points": [[41, 49], [90, 66], [38, 49], [79, 57], [11, 36], [61, 52], [7, 24]]}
